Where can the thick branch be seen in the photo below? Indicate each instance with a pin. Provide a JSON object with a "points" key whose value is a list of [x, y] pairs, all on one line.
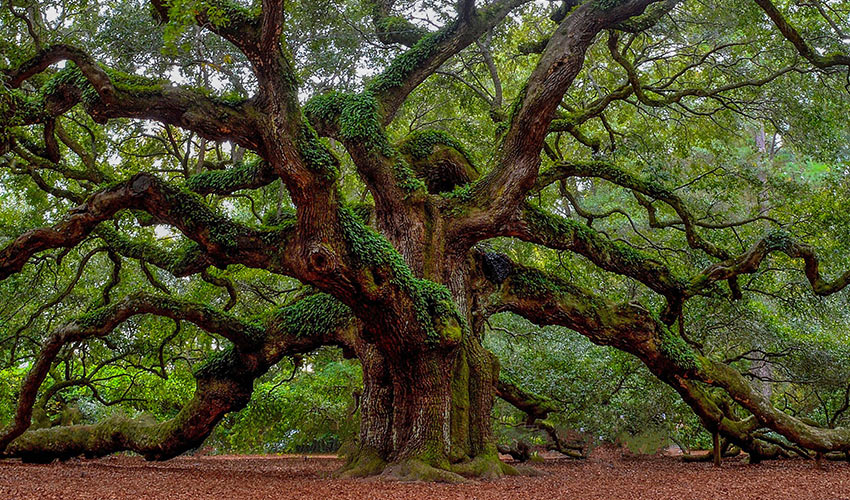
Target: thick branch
{"points": [[233, 22], [793, 36], [248, 175], [546, 299], [109, 94], [538, 226], [101, 322], [534, 405], [223, 240], [412, 67], [750, 261], [224, 383], [504, 188]]}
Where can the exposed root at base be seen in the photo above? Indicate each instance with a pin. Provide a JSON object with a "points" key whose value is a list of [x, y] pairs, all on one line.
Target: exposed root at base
{"points": [[417, 470], [363, 463], [367, 463], [484, 467]]}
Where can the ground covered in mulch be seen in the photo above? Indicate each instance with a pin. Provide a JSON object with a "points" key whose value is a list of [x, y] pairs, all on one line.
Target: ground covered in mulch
{"points": [[607, 475]]}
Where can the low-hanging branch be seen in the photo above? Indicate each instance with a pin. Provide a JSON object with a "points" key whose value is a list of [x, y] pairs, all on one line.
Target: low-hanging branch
{"points": [[101, 322], [223, 240], [224, 382], [538, 226], [549, 300]]}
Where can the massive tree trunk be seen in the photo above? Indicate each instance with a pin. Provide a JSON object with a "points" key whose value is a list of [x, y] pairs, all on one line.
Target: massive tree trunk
{"points": [[426, 411], [427, 415]]}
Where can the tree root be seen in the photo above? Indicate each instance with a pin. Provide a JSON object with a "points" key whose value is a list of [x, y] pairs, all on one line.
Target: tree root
{"points": [[485, 467], [417, 470], [368, 463], [362, 463]]}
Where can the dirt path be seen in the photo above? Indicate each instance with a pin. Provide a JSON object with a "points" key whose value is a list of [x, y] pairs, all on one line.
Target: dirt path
{"points": [[604, 476]]}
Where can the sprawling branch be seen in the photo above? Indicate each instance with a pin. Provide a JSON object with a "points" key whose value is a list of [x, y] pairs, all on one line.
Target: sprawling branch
{"points": [[538, 226], [109, 94], [793, 36], [394, 29], [546, 300], [184, 260], [675, 96], [750, 261], [504, 188], [537, 409], [430, 51], [609, 172], [101, 322], [224, 383], [534, 405], [222, 239]]}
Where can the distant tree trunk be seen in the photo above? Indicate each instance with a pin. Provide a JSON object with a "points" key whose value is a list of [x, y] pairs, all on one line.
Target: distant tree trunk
{"points": [[716, 451]]}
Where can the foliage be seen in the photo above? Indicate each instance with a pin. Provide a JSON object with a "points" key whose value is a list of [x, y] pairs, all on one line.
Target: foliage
{"points": [[748, 136]]}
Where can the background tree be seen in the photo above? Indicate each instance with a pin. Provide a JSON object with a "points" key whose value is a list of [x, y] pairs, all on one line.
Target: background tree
{"points": [[384, 177]]}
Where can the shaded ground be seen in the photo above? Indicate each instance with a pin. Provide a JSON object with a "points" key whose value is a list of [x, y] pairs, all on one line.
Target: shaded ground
{"points": [[605, 476]]}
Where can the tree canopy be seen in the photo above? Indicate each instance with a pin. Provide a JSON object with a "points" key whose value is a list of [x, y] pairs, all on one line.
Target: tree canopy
{"points": [[608, 215]]}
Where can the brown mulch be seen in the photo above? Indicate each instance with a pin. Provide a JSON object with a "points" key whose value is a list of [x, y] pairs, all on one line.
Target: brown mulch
{"points": [[606, 475]]}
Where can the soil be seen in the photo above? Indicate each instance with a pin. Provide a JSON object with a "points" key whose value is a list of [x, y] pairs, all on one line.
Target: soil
{"points": [[606, 475]]}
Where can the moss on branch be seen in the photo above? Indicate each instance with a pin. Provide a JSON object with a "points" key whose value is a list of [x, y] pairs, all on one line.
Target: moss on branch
{"points": [[249, 174], [434, 308], [355, 117]]}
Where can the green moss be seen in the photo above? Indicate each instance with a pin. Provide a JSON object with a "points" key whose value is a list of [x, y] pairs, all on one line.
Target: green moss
{"points": [[363, 211], [412, 59], [421, 144], [196, 216], [544, 223], [363, 462], [406, 178], [219, 364], [461, 193], [516, 105], [278, 219], [778, 240], [315, 153], [233, 99], [434, 307], [70, 76], [224, 181], [356, 117], [310, 316], [220, 13], [134, 84], [532, 283], [484, 466], [674, 347], [173, 260], [460, 409], [95, 318]]}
